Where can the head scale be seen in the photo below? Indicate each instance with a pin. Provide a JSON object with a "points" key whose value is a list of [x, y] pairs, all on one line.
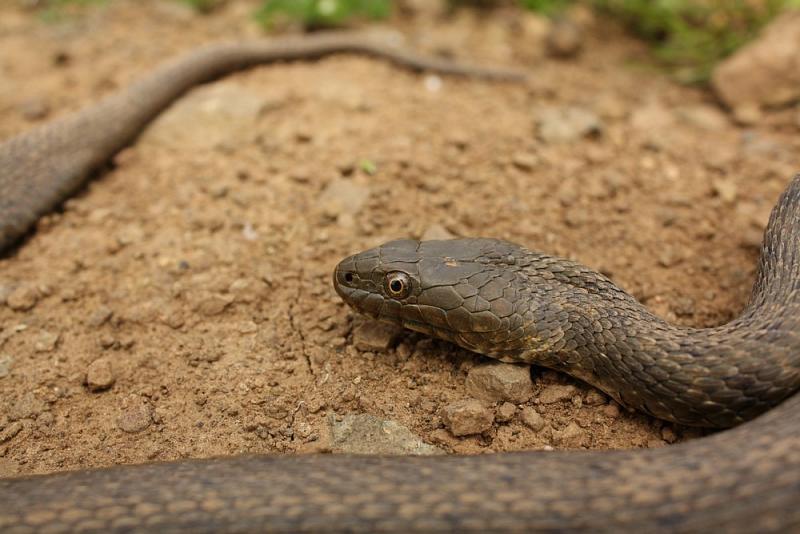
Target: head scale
{"points": [[462, 290]]}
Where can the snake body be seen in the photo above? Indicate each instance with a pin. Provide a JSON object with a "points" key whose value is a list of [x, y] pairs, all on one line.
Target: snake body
{"points": [[489, 296]]}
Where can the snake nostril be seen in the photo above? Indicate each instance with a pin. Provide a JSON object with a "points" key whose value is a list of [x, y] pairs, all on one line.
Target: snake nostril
{"points": [[348, 277]]}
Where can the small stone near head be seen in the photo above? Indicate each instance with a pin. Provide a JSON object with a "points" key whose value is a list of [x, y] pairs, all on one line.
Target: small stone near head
{"points": [[99, 375], [467, 417]]}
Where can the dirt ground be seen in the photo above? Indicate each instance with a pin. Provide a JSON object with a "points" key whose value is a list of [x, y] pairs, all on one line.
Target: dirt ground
{"points": [[197, 269]]}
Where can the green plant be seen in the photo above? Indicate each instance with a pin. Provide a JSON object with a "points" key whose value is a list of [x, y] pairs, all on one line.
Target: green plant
{"points": [[203, 6], [690, 36], [548, 7], [321, 13], [55, 10], [693, 35]]}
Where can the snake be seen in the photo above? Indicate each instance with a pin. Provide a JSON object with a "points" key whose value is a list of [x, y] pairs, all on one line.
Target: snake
{"points": [[491, 297]]}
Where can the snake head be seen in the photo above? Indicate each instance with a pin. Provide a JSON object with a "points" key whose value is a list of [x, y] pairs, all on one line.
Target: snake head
{"points": [[462, 290]]}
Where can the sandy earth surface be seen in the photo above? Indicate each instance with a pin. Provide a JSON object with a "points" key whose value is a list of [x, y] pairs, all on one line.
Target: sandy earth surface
{"points": [[195, 273]]}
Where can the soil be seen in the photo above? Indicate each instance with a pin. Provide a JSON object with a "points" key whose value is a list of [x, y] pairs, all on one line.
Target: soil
{"points": [[191, 280]]}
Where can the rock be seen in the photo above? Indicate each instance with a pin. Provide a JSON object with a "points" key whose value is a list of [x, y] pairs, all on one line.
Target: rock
{"points": [[209, 117], [204, 354], [433, 83], [765, 72], [46, 341], [247, 289], [563, 124], [705, 117], [343, 197], [213, 304], [611, 106], [135, 414], [5, 291], [556, 393], [747, 114], [595, 398], [374, 336], [367, 434], [611, 410], [576, 216], [651, 117], [524, 161], [100, 375], [467, 417], [532, 419], [505, 412], [571, 436], [34, 109], [668, 434], [565, 39], [670, 256], [26, 407], [500, 382], [436, 231], [23, 298], [99, 316], [5, 365], [726, 190], [10, 431]]}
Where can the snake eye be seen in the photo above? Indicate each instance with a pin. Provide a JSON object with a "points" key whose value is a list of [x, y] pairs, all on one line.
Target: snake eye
{"points": [[397, 285]]}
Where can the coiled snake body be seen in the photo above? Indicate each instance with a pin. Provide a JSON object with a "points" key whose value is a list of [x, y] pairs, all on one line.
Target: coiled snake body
{"points": [[489, 296]]}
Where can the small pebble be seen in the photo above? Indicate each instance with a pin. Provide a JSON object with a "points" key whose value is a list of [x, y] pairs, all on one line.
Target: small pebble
{"points": [[611, 411], [100, 375], [467, 417], [213, 305], [532, 419], [5, 365], [343, 197], [563, 124], [99, 316], [46, 341], [375, 336], [747, 114], [703, 116], [27, 407], [436, 231], [367, 434], [524, 161], [571, 436], [595, 398], [565, 39], [135, 414], [34, 109], [726, 190], [505, 412], [23, 298], [668, 434], [669, 256], [556, 393], [10, 431], [500, 382]]}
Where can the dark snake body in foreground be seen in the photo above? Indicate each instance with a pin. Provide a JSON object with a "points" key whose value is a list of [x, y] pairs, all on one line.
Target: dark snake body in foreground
{"points": [[486, 295]]}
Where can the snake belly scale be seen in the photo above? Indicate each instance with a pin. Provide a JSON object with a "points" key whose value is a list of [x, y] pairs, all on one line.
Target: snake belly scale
{"points": [[489, 296]]}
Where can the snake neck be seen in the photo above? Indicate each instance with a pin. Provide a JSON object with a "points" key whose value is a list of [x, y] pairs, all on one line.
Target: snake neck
{"points": [[714, 377]]}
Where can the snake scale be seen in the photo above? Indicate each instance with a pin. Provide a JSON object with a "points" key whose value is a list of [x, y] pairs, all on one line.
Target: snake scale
{"points": [[489, 296]]}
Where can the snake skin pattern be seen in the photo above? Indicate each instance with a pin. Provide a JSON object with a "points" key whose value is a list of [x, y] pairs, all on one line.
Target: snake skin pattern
{"points": [[501, 300], [489, 296]]}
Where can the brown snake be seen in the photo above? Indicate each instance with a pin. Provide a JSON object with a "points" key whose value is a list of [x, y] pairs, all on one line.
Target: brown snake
{"points": [[486, 295]]}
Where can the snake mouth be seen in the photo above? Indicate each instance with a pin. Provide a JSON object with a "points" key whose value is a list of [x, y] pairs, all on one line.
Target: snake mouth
{"points": [[360, 295]]}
